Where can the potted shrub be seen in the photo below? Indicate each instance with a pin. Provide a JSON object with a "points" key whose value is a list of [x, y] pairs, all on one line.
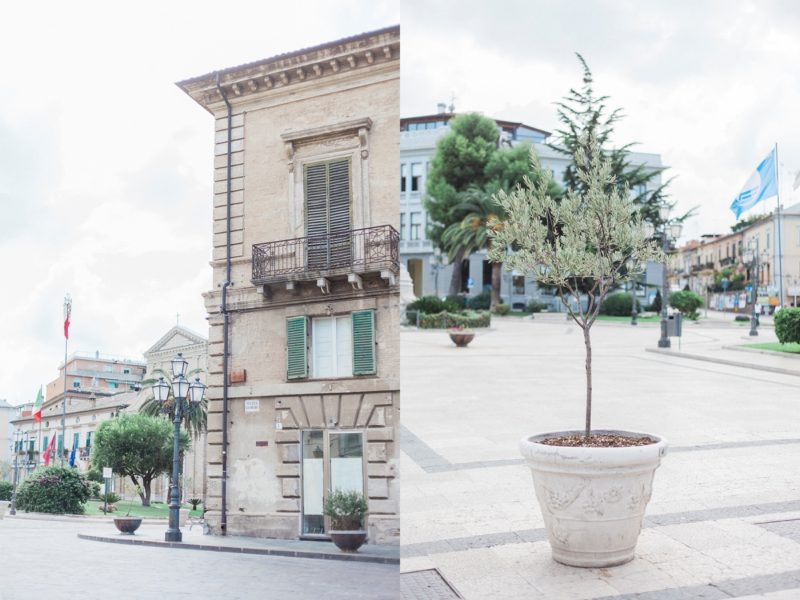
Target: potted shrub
{"points": [[129, 524], [461, 336], [346, 511], [6, 491], [592, 486]]}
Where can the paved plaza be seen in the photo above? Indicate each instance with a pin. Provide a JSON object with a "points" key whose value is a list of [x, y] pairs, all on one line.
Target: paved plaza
{"points": [[724, 519], [42, 558]]}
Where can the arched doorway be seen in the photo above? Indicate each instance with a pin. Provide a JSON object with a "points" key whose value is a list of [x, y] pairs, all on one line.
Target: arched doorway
{"points": [[414, 266]]}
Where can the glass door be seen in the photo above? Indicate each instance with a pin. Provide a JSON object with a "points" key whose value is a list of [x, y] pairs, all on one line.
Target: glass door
{"points": [[331, 460]]}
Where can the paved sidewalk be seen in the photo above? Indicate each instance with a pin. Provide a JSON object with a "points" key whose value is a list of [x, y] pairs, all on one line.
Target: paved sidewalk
{"points": [[724, 519]]}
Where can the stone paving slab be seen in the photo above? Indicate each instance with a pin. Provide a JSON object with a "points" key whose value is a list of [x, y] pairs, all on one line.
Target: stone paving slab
{"points": [[426, 585], [468, 503]]}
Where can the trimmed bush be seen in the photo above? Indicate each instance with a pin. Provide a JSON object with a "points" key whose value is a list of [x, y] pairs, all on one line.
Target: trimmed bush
{"points": [[502, 310], [458, 302], [346, 510], [687, 303], [94, 474], [619, 305], [535, 307], [445, 320], [427, 304], [55, 490], [787, 325], [480, 302], [656, 305], [6, 490]]}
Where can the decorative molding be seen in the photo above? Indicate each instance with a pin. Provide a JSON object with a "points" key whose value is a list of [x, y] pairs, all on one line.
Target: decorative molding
{"points": [[327, 135]]}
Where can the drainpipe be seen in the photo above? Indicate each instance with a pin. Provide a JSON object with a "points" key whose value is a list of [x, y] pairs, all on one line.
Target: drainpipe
{"points": [[226, 320]]}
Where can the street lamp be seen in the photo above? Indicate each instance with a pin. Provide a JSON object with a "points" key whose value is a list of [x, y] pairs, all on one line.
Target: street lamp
{"points": [[670, 231], [753, 256], [438, 262], [182, 391]]}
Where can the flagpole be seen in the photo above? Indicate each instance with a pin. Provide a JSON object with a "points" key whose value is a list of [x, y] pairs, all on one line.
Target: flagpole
{"points": [[67, 313], [779, 240]]}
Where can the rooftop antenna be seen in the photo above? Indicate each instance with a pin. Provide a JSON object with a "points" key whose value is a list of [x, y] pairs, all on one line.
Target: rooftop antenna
{"points": [[452, 107]]}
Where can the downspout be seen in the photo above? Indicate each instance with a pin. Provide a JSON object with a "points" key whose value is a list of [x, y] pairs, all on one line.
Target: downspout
{"points": [[226, 319]]}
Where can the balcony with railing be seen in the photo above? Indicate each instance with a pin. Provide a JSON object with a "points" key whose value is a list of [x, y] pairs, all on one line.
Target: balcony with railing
{"points": [[349, 254]]}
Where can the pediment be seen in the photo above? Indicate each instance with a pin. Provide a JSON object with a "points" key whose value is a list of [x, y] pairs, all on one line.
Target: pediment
{"points": [[175, 339]]}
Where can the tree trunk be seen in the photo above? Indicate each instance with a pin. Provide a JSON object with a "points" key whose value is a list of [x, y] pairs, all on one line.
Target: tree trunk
{"points": [[146, 483], [455, 278], [497, 281], [587, 340]]}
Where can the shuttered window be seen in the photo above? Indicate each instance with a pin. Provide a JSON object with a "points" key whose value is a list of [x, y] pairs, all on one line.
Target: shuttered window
{"points": [[328, 199], [332, 347], [363, 342], [296, 348]]}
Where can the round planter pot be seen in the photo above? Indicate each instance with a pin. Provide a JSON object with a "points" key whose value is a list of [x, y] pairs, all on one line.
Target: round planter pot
{"points": [[460, 339], [349, 541], [4, 504], [592, 499], [127, 524]]}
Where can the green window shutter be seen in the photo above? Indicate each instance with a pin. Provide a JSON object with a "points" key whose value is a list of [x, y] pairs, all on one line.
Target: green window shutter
{"points": [[46, 439], [363, 342], [296, 347]]}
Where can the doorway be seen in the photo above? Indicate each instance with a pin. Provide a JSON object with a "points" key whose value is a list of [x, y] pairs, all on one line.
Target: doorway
{"points": [[332, 460]]}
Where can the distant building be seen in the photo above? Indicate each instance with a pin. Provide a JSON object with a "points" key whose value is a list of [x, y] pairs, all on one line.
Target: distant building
{"points": [[7, 414], [304, 311], [699, 264], [418, 139]]}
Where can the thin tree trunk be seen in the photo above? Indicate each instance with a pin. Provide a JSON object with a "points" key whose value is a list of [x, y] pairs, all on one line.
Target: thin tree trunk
{"points": [[587, 340], [497, 278], [455, 278]]}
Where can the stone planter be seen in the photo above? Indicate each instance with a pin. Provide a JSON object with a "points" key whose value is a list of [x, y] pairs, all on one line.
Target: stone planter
{"points": [[4, 504], [592, 499], [461, 338], [127, 524], [349, 541]]}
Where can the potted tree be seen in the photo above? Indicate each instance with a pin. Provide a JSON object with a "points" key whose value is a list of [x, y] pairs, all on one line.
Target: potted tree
{"points": [[346, 511], [592, 486]]}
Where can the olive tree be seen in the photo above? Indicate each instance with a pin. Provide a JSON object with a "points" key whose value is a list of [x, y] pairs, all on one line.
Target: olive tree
{"points": [[592, 239]]}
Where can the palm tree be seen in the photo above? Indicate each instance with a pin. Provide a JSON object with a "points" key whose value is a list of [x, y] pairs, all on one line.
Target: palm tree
{"points": [[194, 417], [472, 233]]}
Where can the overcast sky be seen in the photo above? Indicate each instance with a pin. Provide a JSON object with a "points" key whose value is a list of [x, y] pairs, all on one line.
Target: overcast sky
{"points": [[105, 183], [106, 166], [711, 86]]}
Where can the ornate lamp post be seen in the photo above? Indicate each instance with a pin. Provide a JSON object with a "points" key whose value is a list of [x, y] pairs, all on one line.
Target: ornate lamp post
{"points": [[670, 231], [17, 449], [438, 262], [182, 391], [753, 256]]}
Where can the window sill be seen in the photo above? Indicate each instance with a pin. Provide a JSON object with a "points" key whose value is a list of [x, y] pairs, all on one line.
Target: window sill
{"points": [[322, 379]]}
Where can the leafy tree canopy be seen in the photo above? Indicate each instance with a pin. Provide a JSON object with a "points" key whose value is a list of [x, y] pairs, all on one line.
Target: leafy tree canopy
{"points": [[136, 446]]}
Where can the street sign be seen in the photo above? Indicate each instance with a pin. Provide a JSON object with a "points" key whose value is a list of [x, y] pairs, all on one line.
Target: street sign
{"points": [[107, 473]]}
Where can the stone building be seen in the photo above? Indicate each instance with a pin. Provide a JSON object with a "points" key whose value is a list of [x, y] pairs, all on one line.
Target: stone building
{"points": [[304, 318]]}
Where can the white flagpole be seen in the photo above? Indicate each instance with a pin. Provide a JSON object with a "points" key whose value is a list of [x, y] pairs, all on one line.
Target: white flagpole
{"points": [[779, 240]]}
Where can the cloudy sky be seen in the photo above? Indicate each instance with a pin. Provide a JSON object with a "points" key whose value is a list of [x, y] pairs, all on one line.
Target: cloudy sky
{"points": [[106, 166], [711, 85]]}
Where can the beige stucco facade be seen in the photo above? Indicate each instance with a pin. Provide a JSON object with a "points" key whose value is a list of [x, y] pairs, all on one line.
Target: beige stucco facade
{"points": [[335, 103]]}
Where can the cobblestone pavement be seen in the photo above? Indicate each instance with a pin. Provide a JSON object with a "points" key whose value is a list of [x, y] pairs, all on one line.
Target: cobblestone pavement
{"points": [[45, 559], [723, 520]]}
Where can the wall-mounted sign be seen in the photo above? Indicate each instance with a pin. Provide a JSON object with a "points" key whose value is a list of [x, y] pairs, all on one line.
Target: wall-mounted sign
{"points": [[252, 406]]}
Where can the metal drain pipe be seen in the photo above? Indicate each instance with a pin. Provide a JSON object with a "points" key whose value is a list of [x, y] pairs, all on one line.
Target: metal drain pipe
{"points": [[226, 319]]}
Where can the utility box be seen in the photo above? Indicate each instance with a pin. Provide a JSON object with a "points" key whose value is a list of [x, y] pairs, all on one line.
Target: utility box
{"points": [[674, 324]]}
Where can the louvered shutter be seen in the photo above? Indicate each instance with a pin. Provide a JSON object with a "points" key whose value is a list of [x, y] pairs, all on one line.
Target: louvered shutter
{"points": [[363, 342], [296, 349], [328, 199]]}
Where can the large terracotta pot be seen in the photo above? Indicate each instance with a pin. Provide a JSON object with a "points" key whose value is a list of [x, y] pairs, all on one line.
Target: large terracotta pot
{"points": [[461, 338], [592, 499], [349, 541], [127, 524]]}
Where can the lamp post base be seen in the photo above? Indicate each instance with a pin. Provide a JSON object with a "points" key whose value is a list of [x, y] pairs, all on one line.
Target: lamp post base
{"points": [[664, 343], [173, 536]]}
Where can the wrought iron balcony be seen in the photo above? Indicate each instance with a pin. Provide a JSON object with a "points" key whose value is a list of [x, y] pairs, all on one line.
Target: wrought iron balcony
{"points": [[359, 251]]}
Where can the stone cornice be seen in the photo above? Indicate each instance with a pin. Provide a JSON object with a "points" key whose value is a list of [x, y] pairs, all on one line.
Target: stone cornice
{"points": [[263, 77]]}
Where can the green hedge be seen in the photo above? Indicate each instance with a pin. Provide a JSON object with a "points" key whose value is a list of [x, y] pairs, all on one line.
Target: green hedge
{"points": [[6, 490], [480, 302], [502, 309], [56, 490], [445, 320], [687, 302], [432, 304], [535, 307], [787, 325], [619, 305]]}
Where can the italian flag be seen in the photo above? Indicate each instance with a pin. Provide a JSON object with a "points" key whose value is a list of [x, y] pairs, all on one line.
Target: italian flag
{"points": [[37, 413], [49, 452]]}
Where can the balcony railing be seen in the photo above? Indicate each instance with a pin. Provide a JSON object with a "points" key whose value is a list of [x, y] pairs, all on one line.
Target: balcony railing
{"points": [[354, 251]]}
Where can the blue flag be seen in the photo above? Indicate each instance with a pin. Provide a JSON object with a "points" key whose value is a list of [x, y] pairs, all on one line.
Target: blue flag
{"points": [[72, 457], [762, 185]]}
